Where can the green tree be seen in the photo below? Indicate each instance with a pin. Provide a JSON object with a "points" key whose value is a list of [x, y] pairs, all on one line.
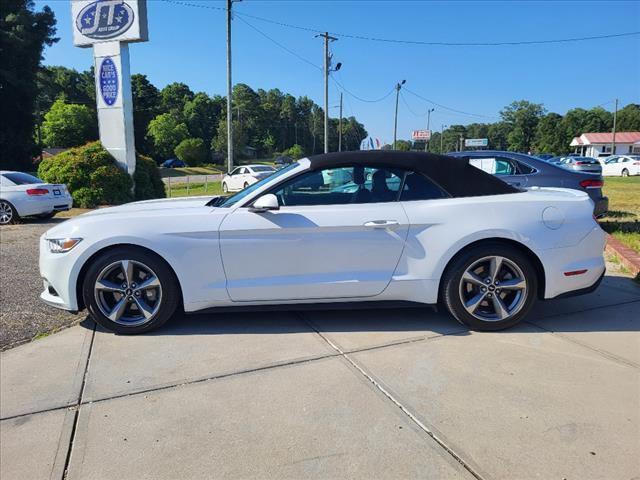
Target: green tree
{"points": [[201, 115], [522, 117], [296, 152], [549, 138], [402, 145], [23, 35], [629, 118], [219, 143], [166, 132], [146, 106], [174, 97], [68, 125], [192, 151]]}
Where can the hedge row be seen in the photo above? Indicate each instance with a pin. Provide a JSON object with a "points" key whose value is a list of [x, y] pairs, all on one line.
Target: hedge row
{"points": [[93, 178]]}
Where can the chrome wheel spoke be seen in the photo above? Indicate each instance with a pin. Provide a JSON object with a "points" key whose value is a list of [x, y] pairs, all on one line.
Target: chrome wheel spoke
{"points": [[501, 309], [108, 286], [118, 310], [473, 304], [495, 265], [513, 284], [472, 278], [146, 310], [150, 282], [127, 270]]}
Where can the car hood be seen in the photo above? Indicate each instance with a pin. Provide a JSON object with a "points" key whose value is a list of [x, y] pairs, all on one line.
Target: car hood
{"points": [[163, 204]]}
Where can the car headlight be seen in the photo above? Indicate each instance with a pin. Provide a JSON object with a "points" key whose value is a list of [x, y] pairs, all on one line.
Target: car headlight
{"points": [[62, 245]]}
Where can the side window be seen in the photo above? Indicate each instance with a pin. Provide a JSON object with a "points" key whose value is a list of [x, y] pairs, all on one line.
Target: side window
{"points": [[235, 171], [494, 165], [523, 169], [344, 185], [612, 160], [418, 187]]}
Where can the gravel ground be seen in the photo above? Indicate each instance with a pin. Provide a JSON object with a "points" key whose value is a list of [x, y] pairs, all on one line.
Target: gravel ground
{"points": [[22, 315]]}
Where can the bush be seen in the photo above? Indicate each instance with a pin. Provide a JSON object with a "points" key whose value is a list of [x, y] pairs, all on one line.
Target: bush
{"points": [[147, 179], [296, 152], [93, 177], [192, 151]]}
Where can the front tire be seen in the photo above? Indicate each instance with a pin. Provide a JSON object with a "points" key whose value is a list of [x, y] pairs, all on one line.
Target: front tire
{"points": [[8, 213], [129, 290], [246, 185], [225, 189], [490, 287]]}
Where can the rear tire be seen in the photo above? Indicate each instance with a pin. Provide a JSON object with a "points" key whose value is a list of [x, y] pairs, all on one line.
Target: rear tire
{"points": [[8, 213], [490, 287], [129, 290], [625, 173]]}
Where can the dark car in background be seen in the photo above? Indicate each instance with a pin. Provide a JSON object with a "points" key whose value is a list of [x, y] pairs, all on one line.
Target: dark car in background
{"points": [[173, 163], [524, 171], [282, 161]]}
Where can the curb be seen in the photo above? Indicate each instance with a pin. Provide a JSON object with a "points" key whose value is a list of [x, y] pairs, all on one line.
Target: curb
{"points": [[628, 257]]}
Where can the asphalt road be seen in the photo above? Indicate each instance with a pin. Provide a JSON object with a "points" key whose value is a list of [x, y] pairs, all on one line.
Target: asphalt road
{"points": [[22, 314]]}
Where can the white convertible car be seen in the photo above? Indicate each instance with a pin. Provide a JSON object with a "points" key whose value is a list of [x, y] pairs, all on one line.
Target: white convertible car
{"points": [[405, 227]]}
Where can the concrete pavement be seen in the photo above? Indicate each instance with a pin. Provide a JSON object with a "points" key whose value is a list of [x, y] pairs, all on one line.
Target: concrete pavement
{"points": [[338, 394]]}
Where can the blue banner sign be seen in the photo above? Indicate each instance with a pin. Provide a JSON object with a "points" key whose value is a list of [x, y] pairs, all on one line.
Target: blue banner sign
{"points": [[108, 81]]}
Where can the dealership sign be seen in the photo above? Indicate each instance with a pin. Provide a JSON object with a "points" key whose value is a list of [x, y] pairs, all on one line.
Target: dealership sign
{"points": [[476, 142], [108, 82], [108, 20], [421, 135]]}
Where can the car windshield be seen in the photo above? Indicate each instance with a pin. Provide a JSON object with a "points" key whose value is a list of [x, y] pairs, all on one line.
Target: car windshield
{"points": [[226, 202], [21, 178], [263, 168]]}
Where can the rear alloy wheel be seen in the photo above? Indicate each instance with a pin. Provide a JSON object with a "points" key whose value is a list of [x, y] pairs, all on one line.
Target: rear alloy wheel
{"points": [[625, 173], [130, 291], [8, 214], [490, 287]]}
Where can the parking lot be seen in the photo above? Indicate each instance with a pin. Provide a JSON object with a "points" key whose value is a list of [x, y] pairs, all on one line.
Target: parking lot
{"points": [[403, 393]]}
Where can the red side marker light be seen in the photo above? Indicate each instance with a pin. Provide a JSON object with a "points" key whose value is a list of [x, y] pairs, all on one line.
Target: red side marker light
{"points": [[575, 272]]}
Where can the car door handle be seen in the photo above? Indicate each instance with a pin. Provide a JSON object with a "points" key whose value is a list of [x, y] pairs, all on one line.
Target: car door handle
{"points": [[381, 223]]}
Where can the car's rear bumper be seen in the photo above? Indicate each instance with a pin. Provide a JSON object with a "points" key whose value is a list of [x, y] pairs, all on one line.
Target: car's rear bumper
{"points": [[601, 206], [43, 205], [583, 291]]}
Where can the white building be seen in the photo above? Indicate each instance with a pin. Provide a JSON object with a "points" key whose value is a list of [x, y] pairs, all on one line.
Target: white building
{"points": [[599, 144]]}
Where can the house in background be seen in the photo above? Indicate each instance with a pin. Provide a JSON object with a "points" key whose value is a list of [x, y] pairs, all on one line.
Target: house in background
{"points": [[599, 144]]}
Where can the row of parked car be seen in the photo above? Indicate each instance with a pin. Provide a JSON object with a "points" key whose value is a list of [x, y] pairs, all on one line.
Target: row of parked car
{"points": [[610, 166]]}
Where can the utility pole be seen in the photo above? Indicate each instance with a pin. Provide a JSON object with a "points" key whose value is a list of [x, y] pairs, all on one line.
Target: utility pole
{"points": [[340, 126], [615, 117], [426, 144], [229, 92], [461, 143], [441, 137], [327, 67], [395, 121]]}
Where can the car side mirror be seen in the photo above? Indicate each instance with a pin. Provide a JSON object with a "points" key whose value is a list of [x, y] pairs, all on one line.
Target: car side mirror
{"points": [[265, 203]]}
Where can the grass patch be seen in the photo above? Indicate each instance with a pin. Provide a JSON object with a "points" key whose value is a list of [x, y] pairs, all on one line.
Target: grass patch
{"points": [[194, 189], [623, 219], [185, 171]]}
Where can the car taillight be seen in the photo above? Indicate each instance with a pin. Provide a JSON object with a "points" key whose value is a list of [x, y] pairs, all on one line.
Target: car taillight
{"points": [[591, 183], [37, 191], [636, 163], [581, 163]]}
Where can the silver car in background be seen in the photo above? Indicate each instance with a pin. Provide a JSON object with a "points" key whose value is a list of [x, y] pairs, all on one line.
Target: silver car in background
{"points": [[524, 171], [579, 164]]}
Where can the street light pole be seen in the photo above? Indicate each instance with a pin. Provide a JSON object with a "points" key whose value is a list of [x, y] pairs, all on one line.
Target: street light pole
{"points": [[229, 92], [426, 144], [441, 137], [327, 59], [615, 118], [340, 126], [395, 121]]}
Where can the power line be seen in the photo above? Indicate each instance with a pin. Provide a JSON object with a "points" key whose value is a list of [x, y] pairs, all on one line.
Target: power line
{"points": [[384, 97], [448, 108], [404, 100], [415, 42]]}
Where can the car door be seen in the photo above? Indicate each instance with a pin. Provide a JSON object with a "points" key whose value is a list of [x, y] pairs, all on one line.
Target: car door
{"points": [[611, 166], [325, 242]]}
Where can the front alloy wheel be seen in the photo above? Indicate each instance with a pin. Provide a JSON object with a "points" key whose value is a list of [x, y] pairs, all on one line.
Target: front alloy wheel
{"points": [[130, 290], [490, 287]]}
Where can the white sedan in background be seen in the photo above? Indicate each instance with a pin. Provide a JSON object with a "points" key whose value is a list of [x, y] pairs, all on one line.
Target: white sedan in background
{"points": [[416, 229], [621, 165], [23, 195], [242, 177]]}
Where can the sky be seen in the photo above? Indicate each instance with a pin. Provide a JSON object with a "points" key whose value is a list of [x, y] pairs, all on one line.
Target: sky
{"points": [[187, 43]]}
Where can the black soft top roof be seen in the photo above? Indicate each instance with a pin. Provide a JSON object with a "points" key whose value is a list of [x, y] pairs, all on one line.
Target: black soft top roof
{"points": [[453, 174]]}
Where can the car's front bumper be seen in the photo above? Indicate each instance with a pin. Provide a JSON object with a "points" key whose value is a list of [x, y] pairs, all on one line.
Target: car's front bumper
{"points": [[58, 272]]}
